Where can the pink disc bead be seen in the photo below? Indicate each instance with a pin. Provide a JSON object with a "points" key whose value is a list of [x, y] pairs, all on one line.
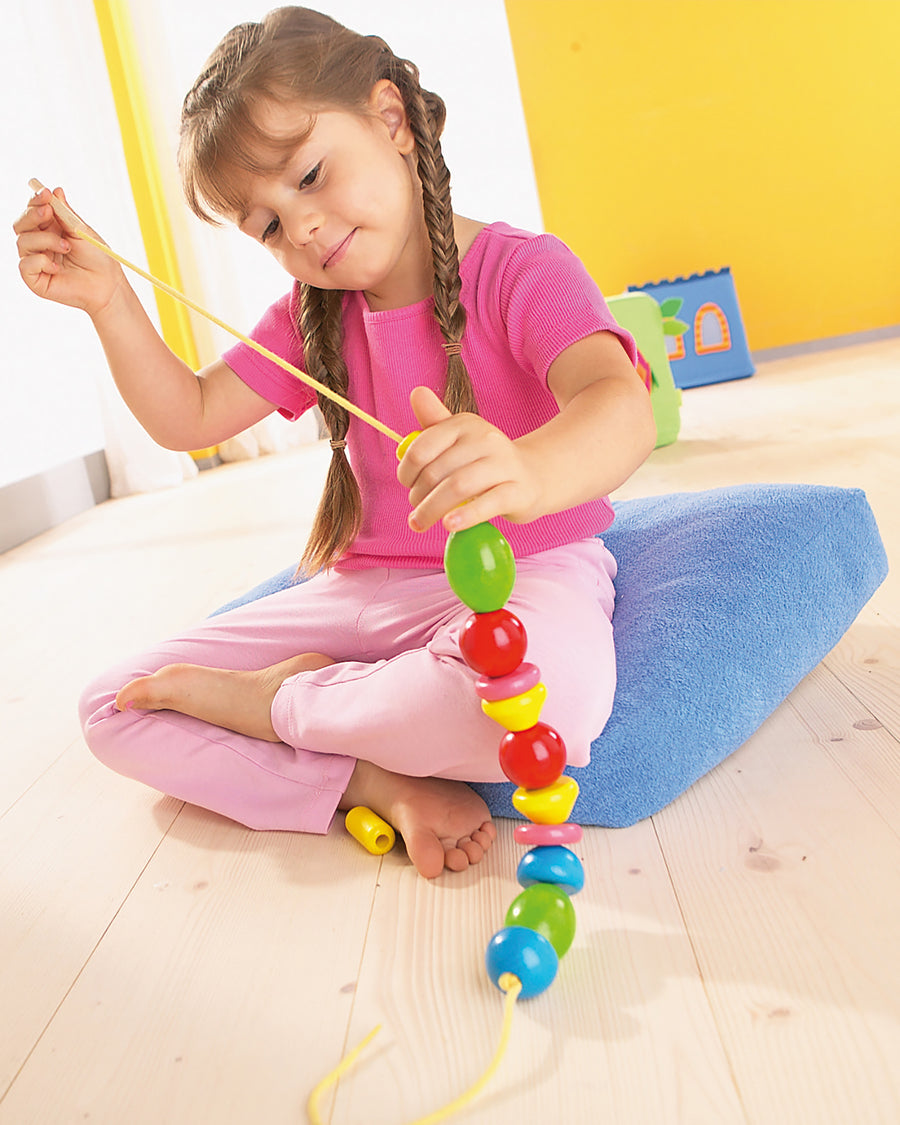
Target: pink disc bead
{"points": [[494, 688], [548, 833]]}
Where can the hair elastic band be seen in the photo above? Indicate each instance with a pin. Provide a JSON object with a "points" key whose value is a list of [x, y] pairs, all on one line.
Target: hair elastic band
{"points": [[339, 444], [453, 348]]}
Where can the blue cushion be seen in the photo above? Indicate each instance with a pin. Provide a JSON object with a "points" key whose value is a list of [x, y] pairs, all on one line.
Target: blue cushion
{"points": [[725, 600]]}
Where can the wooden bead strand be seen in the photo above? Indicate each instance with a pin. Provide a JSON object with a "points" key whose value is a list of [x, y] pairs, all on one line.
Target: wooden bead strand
{"points": [[540, 923]]}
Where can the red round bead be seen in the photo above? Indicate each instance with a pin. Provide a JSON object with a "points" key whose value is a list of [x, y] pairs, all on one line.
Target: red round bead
{"points": [[494, 643], [533, 758]]}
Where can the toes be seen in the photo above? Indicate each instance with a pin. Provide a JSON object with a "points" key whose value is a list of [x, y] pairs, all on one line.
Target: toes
{"points": [[483, 838], [456, 859], [134, 694], [427, 853], [474, 851]]}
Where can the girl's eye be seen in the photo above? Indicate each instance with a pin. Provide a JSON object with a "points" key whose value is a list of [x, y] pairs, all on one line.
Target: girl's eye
{"points": [[310, 178], [269, 231]]}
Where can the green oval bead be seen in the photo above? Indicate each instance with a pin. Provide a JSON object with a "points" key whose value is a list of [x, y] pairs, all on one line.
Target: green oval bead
{"points": [[480, 567], [547, 910]]}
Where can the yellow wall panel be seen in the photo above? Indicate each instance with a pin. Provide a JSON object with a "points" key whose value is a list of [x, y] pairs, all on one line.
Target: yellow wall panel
{"points": [[674, 136], [141, 159]]}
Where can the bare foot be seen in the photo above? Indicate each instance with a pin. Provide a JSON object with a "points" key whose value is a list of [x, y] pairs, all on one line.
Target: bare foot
{"points": [[443, 823], [239, 701]]}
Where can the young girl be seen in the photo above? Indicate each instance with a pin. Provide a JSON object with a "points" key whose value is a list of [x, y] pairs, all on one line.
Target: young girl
{"points": [[349, 689]]}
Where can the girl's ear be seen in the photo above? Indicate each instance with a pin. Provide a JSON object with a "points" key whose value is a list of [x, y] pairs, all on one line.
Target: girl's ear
{"points": [[386, 102]]}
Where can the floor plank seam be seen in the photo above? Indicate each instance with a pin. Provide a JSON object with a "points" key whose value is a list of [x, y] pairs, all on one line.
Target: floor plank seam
{"points": [[359, 969], [694, 954], [52, 765], [88, 958], [836, 758], [868, 705]]}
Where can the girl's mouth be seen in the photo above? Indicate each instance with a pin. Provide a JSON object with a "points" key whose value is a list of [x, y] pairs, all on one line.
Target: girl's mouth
{"points": [[336, 253]]}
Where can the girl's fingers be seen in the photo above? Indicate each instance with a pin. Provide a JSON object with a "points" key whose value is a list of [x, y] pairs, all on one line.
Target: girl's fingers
{"points": [[33, 218], [488, 506], [80, 224], [37, 273], [471, 496], [42, 242], [451, 480], [32, 266]]}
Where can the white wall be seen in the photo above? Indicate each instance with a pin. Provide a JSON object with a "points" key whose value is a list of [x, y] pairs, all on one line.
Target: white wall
{"points": [[61, 127]]}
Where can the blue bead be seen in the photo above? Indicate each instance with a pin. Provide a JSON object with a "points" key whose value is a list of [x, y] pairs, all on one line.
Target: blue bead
{"points": [[524, 953], [551, 863]]}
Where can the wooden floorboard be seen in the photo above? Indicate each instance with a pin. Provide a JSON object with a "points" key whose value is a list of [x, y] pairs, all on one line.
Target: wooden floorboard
{"points": [[219, 987], [736, 956], [790, 889]]}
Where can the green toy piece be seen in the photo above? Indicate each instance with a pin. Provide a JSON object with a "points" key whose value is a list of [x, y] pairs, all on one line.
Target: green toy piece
{"points": [[640, 314]]}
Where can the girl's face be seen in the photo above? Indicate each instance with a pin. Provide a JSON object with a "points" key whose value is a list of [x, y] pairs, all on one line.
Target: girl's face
{"points": [[345, 212]]}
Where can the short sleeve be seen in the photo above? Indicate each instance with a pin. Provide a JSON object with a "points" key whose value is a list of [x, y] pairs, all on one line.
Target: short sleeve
{"points": [[549, 301], [277, 332]]}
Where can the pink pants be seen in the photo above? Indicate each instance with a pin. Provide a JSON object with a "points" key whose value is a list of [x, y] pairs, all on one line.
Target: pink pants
{"points": [[400, 694]]}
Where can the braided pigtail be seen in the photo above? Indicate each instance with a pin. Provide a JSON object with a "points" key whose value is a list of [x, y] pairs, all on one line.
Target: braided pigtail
{"points": [[426, 114], [339, 514]]}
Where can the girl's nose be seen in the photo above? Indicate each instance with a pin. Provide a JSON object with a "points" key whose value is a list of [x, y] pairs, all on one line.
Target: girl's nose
{"points": [[300, 228]]}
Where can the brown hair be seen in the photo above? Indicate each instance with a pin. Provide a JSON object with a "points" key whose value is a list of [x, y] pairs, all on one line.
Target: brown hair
{"points": [[298, 55]]}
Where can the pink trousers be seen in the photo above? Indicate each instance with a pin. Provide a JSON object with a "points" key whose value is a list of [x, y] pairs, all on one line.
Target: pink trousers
{"points": [[399, 695]]}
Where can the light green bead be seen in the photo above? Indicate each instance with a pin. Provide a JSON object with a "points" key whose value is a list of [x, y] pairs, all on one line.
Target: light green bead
{"points": [[480, 567], [546, 909]]}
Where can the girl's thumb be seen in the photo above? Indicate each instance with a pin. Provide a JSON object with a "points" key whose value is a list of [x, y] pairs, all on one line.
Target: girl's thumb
{"points": [[427, 407]]}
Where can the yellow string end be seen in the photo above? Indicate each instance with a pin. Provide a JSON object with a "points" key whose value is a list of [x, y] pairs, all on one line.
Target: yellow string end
{"points": [[312, 1106], [511, 985]]}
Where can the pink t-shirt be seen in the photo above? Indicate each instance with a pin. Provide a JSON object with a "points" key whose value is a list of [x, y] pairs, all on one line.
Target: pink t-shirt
{"points": [[527, 297]]}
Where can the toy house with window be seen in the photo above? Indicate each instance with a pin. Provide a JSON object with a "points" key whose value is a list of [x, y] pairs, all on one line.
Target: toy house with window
{"points": [[705, 340]]}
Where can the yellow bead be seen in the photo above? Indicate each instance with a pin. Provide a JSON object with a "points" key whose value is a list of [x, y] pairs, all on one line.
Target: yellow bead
{"points": [[519, 712], [550, 805], [406, 443], [375, 834]]}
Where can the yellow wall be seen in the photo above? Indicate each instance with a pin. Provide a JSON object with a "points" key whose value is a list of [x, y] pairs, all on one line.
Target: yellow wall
{"points": [[673, 136]]}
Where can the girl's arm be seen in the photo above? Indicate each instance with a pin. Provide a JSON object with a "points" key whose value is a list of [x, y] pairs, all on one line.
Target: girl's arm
{"points": [[178, 408], [603, 432]]}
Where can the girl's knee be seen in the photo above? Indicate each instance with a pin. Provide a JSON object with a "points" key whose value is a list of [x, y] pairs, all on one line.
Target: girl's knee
{"points": [[101, 721], [94, 699]]}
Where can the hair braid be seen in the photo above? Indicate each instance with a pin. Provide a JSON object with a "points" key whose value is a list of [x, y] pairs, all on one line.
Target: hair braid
{"points": [[426, 118], [339, 514]]}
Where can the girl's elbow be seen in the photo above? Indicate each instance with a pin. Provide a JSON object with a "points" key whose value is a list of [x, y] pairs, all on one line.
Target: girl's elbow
{"points": [[176, 441], [649, 435], [644, 429]]}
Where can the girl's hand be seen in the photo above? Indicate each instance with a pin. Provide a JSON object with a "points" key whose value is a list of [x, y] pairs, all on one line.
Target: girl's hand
{"points": [[462, 470], [59, 267]]}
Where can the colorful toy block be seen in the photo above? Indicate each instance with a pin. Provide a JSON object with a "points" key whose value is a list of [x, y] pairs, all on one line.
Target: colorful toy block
{"points": [[705, 340]]}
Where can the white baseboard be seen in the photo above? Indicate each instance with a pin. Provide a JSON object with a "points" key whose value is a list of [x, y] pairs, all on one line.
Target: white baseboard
{"points": [[32, 506]]}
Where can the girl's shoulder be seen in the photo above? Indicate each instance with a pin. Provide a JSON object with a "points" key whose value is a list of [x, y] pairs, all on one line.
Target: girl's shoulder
{"points": [[506, 265], [496, 246]]}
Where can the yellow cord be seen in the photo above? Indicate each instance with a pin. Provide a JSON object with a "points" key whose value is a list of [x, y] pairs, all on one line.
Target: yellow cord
{"points": [[69, 217], [510, 984]]}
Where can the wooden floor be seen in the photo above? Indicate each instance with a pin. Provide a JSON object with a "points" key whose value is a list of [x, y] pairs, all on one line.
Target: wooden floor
{"points": [[737, 955]]}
